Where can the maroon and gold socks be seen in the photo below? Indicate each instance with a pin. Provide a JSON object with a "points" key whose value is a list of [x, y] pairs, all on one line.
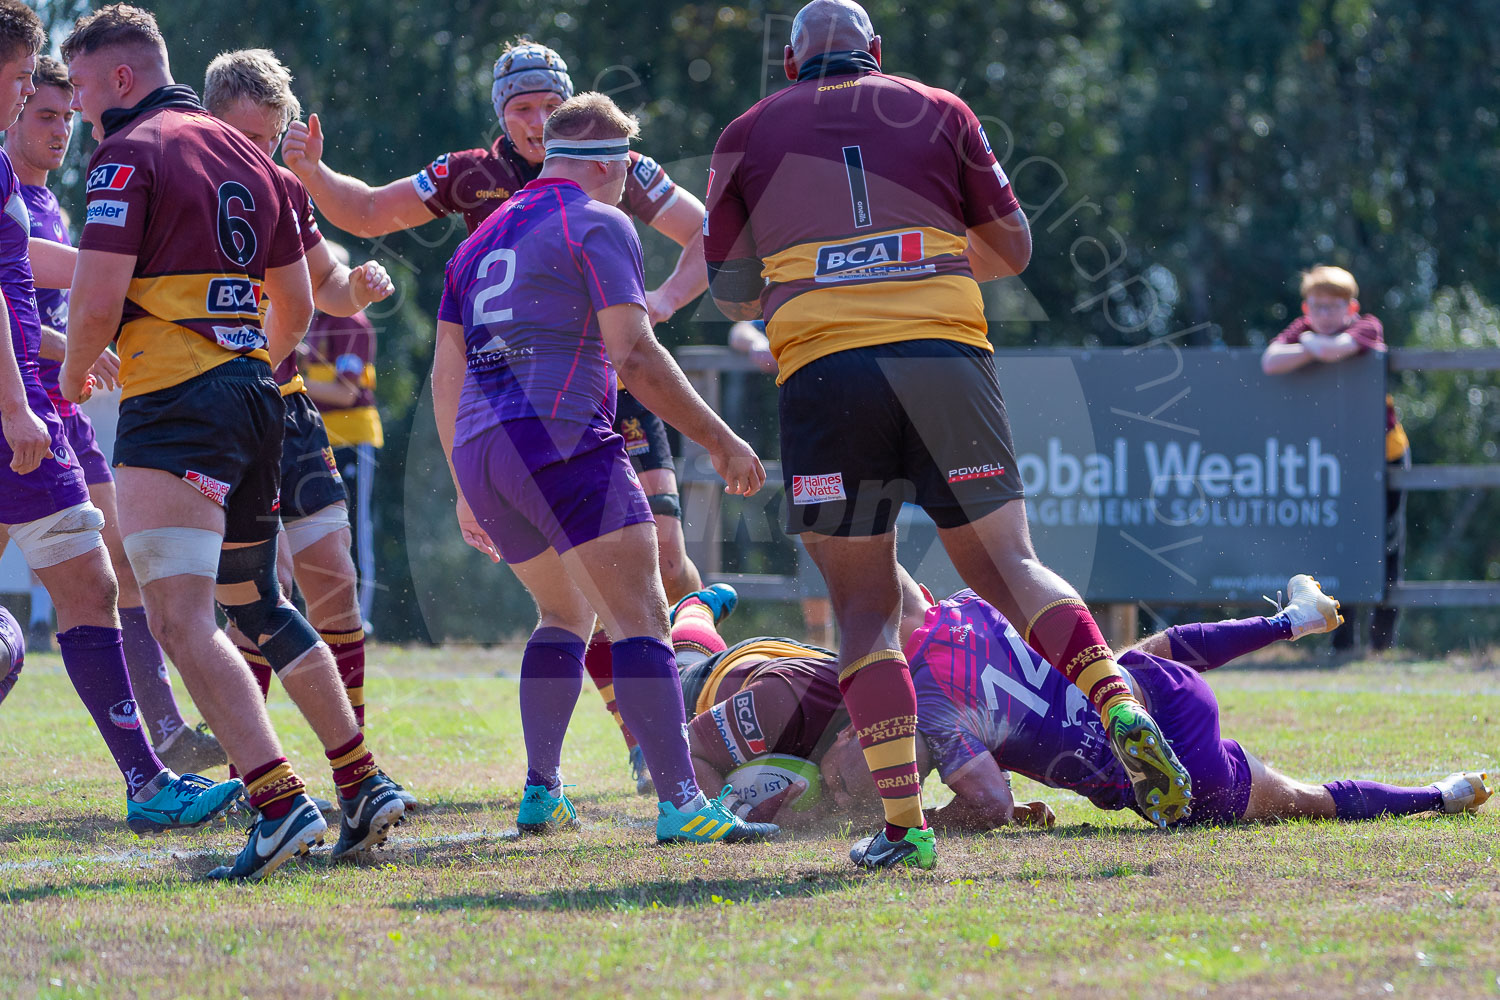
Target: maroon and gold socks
{"points": [[882, 705], [1068, 638], [352, 763], [272, 788], [349, 655]]}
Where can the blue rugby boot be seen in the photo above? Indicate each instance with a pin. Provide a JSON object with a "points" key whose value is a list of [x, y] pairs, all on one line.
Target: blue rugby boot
{"points": [[273, 842], [543, 812], [181, 804]]}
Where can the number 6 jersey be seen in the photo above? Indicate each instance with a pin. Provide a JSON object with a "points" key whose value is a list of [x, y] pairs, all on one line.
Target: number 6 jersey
{"points": [[204, 213]]}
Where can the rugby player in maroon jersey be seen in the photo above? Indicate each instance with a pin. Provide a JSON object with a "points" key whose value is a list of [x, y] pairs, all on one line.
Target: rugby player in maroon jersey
{"points": [[857, 211], [178, 281]]}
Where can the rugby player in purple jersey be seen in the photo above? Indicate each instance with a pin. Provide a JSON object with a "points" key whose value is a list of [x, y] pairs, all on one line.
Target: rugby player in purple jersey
{"points": [[540, 307], [45, 507], [988, 703], [36, 145]]}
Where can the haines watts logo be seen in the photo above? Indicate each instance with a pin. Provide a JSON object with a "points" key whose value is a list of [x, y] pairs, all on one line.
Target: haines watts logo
{"points": [[818, 489]]}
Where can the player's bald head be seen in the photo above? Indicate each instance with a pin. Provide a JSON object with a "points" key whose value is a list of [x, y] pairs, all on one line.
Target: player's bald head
{"points": [[831, 26]]}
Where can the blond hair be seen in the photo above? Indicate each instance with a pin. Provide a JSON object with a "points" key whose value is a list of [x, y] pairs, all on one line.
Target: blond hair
{"points": [[1330, 280], [251, 74], [590, 116]]}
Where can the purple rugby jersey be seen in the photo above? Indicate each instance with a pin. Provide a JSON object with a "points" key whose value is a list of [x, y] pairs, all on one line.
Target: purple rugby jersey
{"points": [[51, 303], [58, 482], [527, 287], [982, 690]]}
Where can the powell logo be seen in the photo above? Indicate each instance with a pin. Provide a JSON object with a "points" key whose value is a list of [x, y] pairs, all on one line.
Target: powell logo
{"points": [[877, 251], [987, 471], [110, 177], [233, 295]]}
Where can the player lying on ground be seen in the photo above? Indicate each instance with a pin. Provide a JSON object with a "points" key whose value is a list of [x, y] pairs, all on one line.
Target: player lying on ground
{"points": [[539, 307], [45, 507], [988, 704], [767, 713]]}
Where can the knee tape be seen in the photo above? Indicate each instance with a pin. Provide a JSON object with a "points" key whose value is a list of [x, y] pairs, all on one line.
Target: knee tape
{"points": [[316, 526], [251, 598], [58, 537], [666, 504]]}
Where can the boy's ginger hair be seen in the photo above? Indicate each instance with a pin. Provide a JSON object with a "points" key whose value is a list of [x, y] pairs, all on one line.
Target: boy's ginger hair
{"points": [[1330, 280]]}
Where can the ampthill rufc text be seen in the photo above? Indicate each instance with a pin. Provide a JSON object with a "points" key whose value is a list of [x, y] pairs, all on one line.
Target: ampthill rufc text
{"points": [[1283, 485]]}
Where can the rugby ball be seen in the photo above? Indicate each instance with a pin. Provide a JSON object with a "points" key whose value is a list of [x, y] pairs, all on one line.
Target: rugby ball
{"points": [[779, 778]]}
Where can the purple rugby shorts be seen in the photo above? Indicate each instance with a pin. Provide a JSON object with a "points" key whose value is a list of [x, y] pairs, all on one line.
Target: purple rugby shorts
{"points": [[539, 484], [80, 431], [1183, 704], [55, 485]]}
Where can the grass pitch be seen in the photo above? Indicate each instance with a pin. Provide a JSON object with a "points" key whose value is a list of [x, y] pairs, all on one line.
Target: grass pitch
{"points": [[457, 906]]}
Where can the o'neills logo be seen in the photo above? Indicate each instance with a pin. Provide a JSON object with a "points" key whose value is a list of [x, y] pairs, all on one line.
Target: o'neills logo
{"points": [[968, 472], [124, 715], [818, 489]]}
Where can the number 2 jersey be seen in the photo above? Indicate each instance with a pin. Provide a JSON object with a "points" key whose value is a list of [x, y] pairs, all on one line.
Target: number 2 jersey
{"points": [[527, 288], [205, 214], [982, 691]]}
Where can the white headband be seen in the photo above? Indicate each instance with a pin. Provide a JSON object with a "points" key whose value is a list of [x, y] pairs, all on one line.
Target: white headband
{"points": [[602, 150]]}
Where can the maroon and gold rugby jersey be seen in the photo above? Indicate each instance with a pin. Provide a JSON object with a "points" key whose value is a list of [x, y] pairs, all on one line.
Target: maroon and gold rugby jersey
{"points": [[763, 696], [344, 347], [475, 182], [286, 374], [842, 202], [205, 214]]}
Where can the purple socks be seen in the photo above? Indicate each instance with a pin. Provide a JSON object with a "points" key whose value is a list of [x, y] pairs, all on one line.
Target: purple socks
{"points": [[1370, 799], [95, 660], [149, 678], [1213, 644], [649, 697], [551, 678]]}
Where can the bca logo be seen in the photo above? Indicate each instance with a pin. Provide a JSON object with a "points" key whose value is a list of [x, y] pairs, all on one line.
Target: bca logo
{"points": [[233, 296], [109, 177], [440, 166], [645, 169], [742, 705], [892, 248]]}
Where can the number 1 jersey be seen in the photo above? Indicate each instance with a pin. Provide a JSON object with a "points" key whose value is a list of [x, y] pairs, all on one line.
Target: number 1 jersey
{"points": [[205, 214], [527, 288]]}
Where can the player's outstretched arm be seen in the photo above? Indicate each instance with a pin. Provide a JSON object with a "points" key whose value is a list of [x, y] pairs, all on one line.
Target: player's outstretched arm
{"points": [[681, 222], [1001, 248], [291, 293], [652, 377], [101, 282], [345, 201], [52, 264]]}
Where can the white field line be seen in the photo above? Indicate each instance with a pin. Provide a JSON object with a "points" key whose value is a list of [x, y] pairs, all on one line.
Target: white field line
{"points": [[141, 858]]}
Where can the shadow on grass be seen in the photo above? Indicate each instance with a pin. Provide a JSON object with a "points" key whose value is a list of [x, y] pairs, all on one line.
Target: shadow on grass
{"points": [[76, 830], [650, 895], [34, 893]]}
